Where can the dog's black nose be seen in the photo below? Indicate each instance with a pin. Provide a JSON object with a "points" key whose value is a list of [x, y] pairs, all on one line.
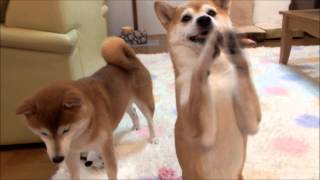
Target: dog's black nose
{"points": [[58, 159], [204, 21]]}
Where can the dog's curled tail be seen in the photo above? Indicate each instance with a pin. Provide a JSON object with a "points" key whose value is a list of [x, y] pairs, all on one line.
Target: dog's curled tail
{"points": [[116, 51]]}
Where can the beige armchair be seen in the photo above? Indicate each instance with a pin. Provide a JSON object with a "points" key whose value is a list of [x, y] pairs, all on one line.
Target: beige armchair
{"points": [[44, 41]]}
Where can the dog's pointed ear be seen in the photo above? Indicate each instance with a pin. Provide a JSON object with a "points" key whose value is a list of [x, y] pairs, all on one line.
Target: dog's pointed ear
{"points": [[71, 100], [26, 108], [164, 11], [223, 4]]}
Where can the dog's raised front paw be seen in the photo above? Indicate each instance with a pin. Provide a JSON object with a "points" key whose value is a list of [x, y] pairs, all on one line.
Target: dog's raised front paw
{"points": [[232, 48], [231, 43], [216, 40]]}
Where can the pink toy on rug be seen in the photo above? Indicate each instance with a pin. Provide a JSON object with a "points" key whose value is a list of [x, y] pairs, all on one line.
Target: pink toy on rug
{"points": [[167, 174]]}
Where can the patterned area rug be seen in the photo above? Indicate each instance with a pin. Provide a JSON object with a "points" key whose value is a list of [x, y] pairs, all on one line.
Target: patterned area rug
{"points": [[286, 147]]}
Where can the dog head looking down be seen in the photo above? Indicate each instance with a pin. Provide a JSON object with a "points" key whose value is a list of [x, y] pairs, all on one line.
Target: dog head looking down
{"points": [[58, 114]]}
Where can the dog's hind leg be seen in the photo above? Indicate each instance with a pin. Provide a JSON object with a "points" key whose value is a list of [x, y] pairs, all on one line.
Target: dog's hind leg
{"points": [[148, 111], [145, 102], [246, 103], [148, 114], [134, 117], [109, 158]]}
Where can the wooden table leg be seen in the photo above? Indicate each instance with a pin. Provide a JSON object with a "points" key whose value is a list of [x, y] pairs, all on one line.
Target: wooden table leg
{"points": [[286, 38]]}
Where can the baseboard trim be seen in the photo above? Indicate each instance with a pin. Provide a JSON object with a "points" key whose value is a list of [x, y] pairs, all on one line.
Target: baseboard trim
{"points": [[21, 146]]}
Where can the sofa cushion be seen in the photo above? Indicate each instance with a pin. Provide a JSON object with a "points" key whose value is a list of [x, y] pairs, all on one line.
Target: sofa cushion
{"points": [[3, 10]]}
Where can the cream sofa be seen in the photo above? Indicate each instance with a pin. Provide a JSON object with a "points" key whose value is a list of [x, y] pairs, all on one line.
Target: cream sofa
{"points": [[41, 42]]}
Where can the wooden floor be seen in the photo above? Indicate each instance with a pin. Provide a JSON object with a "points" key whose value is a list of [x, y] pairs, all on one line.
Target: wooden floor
{"points": [[25, 163], [33, 163]]}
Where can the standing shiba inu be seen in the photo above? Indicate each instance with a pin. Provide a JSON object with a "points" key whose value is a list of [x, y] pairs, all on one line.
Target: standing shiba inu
{"points": [[216, 101], [77, 116]]}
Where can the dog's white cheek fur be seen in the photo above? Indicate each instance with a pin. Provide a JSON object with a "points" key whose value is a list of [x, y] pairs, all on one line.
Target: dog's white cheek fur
{"points": [[177, 36], [180, 33], [65, 145], [49, 146]]}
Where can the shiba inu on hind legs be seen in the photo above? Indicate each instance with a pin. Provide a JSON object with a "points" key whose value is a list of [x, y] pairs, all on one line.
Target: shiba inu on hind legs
{"points": [[216, 101]]}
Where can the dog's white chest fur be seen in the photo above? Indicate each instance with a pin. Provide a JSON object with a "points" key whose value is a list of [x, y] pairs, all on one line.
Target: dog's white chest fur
{"points": [[221, 80], [222, 76], [230, 142]]}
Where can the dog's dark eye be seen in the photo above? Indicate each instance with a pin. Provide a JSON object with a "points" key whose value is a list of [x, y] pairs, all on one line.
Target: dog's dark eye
{"points": [[211, 13], [44, 133], [65, 131], [186, 18]]}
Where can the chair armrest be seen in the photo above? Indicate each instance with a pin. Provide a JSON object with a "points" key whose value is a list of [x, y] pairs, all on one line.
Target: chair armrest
{"points": [[19, 38]]}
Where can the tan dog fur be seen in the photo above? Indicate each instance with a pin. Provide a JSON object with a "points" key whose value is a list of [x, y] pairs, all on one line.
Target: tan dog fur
{"points": [[77, 116], [216, 101]]}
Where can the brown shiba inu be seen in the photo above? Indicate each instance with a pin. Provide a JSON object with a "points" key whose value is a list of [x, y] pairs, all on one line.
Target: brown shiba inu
{"points": [[216, 101], [77, 116]]}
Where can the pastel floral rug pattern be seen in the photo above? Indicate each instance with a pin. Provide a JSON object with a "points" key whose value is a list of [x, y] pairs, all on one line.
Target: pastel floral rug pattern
{"points": [[286, 147]]}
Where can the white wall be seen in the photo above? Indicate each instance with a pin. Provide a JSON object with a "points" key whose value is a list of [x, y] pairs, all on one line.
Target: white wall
{"points": [[120, 14], [147, 17], [267, 11]]}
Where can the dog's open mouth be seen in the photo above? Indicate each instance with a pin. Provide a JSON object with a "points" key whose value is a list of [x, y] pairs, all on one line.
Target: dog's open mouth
{"points": [[200, 38]]}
